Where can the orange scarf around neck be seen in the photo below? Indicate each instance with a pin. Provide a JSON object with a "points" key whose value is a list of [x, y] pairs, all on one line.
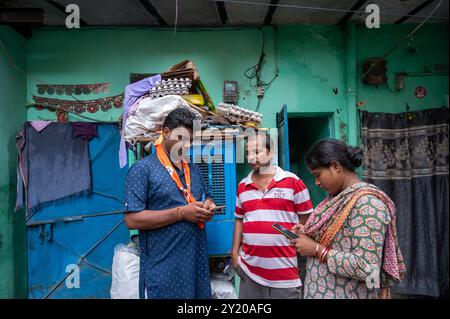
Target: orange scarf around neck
{"points": [[167, 164]]}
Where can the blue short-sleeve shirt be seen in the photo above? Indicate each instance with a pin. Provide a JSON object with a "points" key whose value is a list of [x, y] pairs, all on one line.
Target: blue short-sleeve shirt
{"points": [[174, 258]]}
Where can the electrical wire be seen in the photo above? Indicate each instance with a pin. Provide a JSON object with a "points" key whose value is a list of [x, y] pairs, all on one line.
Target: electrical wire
{"points": [[276, 52], [152, 28], [414, 30], [176, 17], [254, 72], [290, 6], [11, 61], [409, 35]]}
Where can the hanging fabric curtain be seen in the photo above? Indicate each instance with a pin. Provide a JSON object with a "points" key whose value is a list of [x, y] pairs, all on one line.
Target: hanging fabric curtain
{"points": [[406, 155]]}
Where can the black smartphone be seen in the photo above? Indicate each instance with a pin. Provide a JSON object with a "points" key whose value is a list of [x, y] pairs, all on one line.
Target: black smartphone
{"points": [[283, 230]]}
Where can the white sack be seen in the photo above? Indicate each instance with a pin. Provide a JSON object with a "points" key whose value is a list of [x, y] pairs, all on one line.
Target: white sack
{"points": [[125, 273], [151, 113], [222, 289]]}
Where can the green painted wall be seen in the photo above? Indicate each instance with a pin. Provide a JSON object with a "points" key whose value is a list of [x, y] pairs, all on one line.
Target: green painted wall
{"points": [[431, 42], [310, 62], [12, 115]]}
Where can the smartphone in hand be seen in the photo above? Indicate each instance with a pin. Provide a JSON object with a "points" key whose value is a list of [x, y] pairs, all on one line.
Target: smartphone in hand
{"points": [[283, 230]]}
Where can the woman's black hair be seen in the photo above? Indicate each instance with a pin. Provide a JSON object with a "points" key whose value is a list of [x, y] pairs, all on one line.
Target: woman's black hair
{"points": [[326, 151]]}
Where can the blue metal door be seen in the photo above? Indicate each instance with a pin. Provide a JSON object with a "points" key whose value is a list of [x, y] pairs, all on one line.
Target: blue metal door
{"points": [[75, 239], [283, 139], [218, 167]]}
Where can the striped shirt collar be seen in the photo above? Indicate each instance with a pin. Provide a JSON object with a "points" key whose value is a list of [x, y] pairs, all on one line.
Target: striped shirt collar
{"points": [[280, 174]]}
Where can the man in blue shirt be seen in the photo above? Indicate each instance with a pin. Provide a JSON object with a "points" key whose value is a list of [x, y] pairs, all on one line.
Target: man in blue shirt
{"points": [[163, 199]]}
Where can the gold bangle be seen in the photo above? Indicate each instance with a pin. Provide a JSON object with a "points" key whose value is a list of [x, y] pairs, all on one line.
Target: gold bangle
{"points": [[180, 217]]}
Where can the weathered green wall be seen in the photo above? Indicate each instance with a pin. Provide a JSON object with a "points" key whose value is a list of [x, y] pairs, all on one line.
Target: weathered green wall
{"points": [[310, 62], [431, 42], [12, 115]]}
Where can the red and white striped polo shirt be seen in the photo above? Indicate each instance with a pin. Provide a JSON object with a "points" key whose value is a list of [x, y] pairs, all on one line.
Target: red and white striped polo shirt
{"points": [[267, 256]]}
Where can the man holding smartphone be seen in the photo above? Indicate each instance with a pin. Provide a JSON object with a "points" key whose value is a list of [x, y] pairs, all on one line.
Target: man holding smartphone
{"points": [[168, 202], [263, 258]]}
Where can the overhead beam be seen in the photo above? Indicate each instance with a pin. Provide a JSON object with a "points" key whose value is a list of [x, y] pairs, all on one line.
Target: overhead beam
{"points": [[417, 9], [153, 12], [356, 6], [220, 5], [62, 8], [22, 16], [22, 19], [271, 12], [26, 32]]}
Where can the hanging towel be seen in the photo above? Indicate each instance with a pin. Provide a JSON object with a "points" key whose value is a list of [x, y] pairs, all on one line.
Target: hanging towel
{"points": [[52, 166], [84, 130]]}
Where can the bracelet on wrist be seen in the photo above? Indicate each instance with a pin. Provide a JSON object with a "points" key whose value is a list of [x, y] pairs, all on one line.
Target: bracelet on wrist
{"points": [[325, 258], [323, 254], [180, 213]]}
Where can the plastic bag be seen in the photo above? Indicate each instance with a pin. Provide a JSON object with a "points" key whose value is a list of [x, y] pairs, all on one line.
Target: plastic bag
{"points": [[222, 289], [125, 272]]}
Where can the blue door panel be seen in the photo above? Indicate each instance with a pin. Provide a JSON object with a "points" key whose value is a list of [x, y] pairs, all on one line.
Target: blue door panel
{"points": [[82, 231], [221, 179]]}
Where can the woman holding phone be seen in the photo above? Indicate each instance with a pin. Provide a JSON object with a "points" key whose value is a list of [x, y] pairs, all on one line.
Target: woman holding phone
{"points": [[350, 239]]}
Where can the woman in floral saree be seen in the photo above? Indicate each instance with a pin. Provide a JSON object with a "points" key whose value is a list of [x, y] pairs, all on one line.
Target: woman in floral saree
{"points": [[350, 238]]}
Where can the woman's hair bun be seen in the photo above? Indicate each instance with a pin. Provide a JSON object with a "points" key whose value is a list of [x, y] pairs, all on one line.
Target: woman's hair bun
{"points": [[356, 156], [324, 152]]}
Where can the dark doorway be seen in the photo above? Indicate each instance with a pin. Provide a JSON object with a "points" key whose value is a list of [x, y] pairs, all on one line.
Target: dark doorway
{"points": [[304, 132]]}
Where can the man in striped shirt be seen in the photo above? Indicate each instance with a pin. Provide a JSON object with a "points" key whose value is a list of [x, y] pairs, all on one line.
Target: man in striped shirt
{"points": [[264, 259]]}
